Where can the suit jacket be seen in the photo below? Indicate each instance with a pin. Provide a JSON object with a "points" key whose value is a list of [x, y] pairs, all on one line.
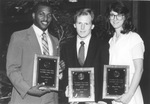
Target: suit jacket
{"points": [[97, 56], [20, 60]]}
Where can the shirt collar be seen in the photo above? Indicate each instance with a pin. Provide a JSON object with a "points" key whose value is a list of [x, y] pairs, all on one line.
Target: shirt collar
{"points": [[38, 31], [86, 40]]}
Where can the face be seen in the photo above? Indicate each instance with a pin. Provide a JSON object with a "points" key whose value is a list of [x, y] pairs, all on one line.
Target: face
{"points": [[42, 17], [116, 20], [84, 25]]}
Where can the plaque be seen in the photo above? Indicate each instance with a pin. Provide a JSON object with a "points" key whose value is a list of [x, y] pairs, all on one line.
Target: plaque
{"points": [[81, 84], [115, 81], [46, 70]]}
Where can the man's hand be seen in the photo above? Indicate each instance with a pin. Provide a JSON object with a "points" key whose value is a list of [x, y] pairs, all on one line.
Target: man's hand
{"points": [[67, 91], [36, 91]]}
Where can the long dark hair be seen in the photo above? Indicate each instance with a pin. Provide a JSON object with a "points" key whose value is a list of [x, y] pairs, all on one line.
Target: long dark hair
{"points": [[120, 8]]}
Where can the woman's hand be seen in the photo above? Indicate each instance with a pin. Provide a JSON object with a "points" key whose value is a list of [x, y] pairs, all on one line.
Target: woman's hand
{"points": [[124, 99]]}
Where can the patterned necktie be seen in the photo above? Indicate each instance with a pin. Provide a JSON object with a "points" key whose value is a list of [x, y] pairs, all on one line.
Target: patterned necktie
{"points": [[45, 44], [81, 53]]}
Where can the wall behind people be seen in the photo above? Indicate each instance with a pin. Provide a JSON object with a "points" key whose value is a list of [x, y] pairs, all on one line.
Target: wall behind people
{"points": [[144, 30]]}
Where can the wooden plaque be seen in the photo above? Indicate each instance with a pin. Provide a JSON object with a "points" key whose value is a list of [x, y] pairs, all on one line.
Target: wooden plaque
{"points": [[81, 84], [115, 81], [46, 70]]}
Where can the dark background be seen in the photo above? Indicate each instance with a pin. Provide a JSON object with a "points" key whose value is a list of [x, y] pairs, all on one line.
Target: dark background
{"points": [[11, 21]]}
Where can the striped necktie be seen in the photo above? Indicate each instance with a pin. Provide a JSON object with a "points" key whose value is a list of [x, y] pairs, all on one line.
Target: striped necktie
{"points": [[81, 53], [45, 44]]}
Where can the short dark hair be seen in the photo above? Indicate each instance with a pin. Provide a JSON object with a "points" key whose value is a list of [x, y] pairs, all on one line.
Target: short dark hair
{"points": [[120, 8], [41, 3], [85, 11]]}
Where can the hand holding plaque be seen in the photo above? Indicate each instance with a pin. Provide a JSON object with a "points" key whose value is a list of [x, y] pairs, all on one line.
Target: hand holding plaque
{"points": [[46, 70], [115, 81]]}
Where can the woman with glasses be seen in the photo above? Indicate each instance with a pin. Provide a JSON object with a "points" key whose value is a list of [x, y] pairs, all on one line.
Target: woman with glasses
{"points": [[126, 48]]}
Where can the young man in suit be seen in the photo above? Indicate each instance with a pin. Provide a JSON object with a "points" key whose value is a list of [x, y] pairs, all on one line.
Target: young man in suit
{"points": [[23, 46], [95, 50]]}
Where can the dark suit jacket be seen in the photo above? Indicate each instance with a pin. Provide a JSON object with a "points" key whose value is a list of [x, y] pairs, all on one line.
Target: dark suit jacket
{"points": [[20, 61], [97, 56]]}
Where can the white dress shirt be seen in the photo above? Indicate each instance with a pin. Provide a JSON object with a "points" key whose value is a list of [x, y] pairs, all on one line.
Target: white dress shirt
{"points": [[86, 45], [39, 33]]}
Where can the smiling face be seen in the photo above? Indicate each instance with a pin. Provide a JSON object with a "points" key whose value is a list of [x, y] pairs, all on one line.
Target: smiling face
{"points": [[42, 17], [116, 20], [84, 25]]}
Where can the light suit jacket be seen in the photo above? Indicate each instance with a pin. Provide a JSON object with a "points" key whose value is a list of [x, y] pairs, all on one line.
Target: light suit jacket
{"points": [[20, 61]]}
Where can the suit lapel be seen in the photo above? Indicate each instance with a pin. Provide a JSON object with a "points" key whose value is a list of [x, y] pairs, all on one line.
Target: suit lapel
{"points": [[73, 53], [33, 40], [91, 51], [54, 45]]}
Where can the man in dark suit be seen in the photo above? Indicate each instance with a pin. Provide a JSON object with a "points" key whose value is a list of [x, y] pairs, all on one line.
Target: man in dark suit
{"points": [[23, 46], [95, 50]]}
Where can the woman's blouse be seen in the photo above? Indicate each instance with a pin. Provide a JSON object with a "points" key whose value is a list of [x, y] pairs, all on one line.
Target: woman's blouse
{"points": [[125, 49]]}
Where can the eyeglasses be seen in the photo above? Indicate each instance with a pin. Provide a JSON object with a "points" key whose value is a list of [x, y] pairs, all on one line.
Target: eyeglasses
{"points": [[118, 17]]}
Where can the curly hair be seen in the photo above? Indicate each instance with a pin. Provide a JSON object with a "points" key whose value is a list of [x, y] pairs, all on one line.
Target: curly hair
{"points": [[120, 8], [41, 3]]}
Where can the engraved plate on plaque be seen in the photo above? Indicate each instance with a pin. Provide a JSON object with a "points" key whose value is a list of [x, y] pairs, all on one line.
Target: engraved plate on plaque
{"points": [[46, 70], [116, 81], [81, 84]]}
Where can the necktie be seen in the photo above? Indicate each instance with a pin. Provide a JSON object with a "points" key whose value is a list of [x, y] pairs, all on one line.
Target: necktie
{"points": [[81, 53], [45, 44]]}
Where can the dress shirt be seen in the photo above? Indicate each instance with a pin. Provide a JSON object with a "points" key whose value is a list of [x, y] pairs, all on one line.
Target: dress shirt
{"points": [[39, 33], [86, 45]]}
